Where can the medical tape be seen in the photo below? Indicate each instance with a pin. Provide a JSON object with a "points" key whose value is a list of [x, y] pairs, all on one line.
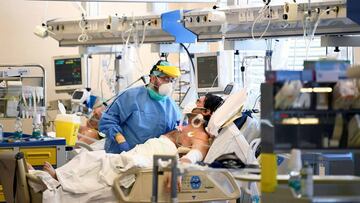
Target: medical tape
{"points": [[194, 156], [197, 121]]}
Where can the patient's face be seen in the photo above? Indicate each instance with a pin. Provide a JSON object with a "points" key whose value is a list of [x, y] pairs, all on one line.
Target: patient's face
{"points": [[200, 102], [195, 112], [93, 122]]}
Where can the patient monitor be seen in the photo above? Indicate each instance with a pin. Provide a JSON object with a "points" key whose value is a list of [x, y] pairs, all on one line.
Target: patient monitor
{"points": [[213, 71], [69, 73], [78, 98]]}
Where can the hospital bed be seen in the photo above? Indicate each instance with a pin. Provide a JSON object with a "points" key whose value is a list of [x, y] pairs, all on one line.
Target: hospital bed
{"points": [[210, 189], [14, 178], [216, 184], [197, 186]]}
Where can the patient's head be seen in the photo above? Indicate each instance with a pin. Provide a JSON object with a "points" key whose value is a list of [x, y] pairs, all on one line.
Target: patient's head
{"points": [[210, 102], [93, 121]]}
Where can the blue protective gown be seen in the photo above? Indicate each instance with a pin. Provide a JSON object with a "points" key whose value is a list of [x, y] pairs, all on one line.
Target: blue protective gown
{"points": [[138, 117]]}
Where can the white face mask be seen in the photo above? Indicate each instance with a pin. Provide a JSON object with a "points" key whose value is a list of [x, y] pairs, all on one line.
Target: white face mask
{"points": [[166, 89]]}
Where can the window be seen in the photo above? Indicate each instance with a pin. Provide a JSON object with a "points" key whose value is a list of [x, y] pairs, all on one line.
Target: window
{"points": [[288, 54]]}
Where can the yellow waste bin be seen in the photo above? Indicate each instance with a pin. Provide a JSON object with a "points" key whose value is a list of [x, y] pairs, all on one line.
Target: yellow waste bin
{"points": [[67, 126]]}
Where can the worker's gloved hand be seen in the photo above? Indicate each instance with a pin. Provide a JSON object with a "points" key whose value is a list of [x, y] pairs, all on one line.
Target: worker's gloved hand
{"points": [[120, 145], [116, 148], [123, 147]]}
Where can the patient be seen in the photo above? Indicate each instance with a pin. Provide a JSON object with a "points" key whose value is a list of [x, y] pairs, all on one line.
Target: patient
{"points": [[90, 130], [210, 102], [92, 171]]}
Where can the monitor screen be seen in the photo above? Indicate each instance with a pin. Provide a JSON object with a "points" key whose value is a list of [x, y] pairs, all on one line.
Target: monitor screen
{"points": [[228, 89], [68, 72], [207, 71]]}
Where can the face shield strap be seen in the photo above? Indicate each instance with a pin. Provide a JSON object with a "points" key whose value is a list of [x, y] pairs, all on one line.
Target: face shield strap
{"points": [[166, 78], [157, 73]]}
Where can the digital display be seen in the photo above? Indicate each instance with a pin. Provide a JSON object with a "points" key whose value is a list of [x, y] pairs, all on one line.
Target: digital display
{"points": [[77, 95], [228, 89], [207, 71], [68, 72]]}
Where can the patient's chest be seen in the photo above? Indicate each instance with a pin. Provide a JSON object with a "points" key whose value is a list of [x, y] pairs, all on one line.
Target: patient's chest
{"points": [[185, 141]]}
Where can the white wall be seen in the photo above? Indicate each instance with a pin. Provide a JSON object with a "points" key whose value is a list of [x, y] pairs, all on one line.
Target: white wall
{"points": [[356, 55], [18, 44]]}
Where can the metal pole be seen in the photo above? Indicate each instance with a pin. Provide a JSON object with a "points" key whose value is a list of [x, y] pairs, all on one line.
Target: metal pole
{"points": [[117, 73], [174, 198], [155, 181], [173, 166]]}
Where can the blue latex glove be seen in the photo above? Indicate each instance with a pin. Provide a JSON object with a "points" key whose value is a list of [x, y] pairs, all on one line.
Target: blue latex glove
{"points": [[118, 148], [123, 147]]}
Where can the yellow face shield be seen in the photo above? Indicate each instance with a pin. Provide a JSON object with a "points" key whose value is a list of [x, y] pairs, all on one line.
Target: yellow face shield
{"points": [[171, 71]]}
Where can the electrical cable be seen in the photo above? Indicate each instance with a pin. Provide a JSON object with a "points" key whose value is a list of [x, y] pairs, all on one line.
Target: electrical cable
{"points": [[143, 35], [129, 36], [191, 60], [266, 29], [83, 37], [318, 21], [260, 16], [212, 85], [314, 29], [105, 102], [257, 98]]}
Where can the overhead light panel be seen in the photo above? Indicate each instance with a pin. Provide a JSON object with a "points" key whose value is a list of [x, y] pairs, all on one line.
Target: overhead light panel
{"points": [[306, 90], [300, 121], [322, 89], [316, 90]]}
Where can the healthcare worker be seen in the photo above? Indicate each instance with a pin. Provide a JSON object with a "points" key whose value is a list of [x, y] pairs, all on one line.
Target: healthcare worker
{"points": [[141, 113]]}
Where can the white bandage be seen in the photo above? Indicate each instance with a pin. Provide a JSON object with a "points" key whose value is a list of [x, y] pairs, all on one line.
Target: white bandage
{"points": [[194, 156]]}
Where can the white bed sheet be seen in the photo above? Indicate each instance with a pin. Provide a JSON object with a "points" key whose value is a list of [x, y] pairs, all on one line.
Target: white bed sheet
{"points": [[89, 176]]}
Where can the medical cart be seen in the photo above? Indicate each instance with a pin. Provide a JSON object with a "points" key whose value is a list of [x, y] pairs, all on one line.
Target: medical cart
{"points": [[36, 151]]}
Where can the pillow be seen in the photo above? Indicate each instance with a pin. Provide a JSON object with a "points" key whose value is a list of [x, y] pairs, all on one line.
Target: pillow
{"points": [[226, 112]]}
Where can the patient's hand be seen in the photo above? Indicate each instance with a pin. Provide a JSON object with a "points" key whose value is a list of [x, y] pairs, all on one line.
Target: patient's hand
{"points": [[167, 182]]}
